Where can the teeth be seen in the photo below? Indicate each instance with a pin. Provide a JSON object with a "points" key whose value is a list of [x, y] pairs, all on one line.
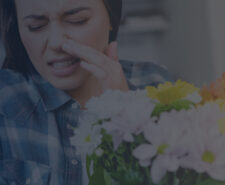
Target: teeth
{"points": [[60, 65]]}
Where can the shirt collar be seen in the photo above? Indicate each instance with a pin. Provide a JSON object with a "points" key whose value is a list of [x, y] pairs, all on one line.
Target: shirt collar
{"points": [[52, 98]]}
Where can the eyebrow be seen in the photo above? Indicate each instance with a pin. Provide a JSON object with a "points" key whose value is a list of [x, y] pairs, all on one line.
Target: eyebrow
{"points": [[38, 17], [75, 11], [67, 13]]}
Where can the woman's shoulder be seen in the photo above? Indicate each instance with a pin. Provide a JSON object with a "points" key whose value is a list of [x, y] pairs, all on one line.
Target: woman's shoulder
{"points": [[10, 78], [140, 73], [16, 94], [12, 82]]}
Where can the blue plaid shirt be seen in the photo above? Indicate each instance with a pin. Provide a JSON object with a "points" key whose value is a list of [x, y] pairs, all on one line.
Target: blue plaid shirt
{"points": [[35, 126]]}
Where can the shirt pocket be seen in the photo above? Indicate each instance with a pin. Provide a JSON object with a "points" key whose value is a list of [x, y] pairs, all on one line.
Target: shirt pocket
{"points": [[19, 172]]}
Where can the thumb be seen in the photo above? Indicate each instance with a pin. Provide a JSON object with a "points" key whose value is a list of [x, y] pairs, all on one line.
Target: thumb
{"points": [[111, 51]]}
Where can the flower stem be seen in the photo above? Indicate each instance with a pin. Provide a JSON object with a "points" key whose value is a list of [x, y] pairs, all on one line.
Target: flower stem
{"points": [[199, 179], [147, 172], [175, 179]]}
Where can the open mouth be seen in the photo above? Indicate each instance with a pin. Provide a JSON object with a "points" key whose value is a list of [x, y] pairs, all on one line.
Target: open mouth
{"points": [[64, 63], [64, 67]]}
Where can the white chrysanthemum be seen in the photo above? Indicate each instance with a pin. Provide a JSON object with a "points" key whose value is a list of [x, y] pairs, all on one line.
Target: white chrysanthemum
{"points": [[111, 103], [185, 132], [206, 155], [207, 118], [167, 141], [206, 148], [87, 137], [107, 105], [134, 113]]}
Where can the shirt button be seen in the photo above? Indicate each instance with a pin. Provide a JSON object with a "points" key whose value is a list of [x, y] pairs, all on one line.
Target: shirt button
{"points": [[28, 181], [74, 162]]}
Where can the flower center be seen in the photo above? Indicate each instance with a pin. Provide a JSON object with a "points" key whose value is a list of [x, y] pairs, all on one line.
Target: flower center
{"points": [[208, 157], [162, 148], [88, 139]]}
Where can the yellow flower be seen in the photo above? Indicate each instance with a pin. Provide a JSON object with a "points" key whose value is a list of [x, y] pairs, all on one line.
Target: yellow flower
{"points": [[221, 103], [167, 93], [221, 125], [214, 91], [221, 122]]}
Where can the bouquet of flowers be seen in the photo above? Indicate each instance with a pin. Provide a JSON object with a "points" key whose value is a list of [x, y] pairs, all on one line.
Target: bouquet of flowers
{"points": [[170, 135]]}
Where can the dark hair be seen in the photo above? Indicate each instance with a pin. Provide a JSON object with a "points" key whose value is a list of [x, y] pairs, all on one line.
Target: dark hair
{"points": [[114, 8], [16, 57]]}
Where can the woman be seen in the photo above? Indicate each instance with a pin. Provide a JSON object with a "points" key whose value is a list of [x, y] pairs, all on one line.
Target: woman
{"points": [[59, 53]]}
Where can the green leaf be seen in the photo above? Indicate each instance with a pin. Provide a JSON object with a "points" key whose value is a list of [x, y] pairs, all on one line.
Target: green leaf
{"points": [[211, 182], [98, 177], [107, 177], [176, 105]]}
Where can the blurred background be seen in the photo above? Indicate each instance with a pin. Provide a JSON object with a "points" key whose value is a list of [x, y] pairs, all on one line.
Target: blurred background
{"points": [[188, 37]]}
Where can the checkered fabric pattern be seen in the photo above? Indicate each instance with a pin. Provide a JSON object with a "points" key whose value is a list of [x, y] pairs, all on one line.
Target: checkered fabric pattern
{"points": [[35, 126]]}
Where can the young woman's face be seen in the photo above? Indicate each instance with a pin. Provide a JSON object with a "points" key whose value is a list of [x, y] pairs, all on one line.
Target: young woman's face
{"points": [[44, 25]]}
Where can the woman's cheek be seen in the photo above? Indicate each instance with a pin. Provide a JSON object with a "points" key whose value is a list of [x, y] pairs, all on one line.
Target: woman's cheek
{"points": [[34, 46]]}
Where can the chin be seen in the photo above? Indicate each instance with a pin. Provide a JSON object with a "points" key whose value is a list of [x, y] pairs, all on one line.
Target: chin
{"points": [[69, 83], [66, 85]]}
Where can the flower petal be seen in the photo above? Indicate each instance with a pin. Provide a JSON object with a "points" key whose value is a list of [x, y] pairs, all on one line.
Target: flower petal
{"points": [[128, 137], [171, 163], [157, 170], [145, 163], [217, 173], [144, 151]]}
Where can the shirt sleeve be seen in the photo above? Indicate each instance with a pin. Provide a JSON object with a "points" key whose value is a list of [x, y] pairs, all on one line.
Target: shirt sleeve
{"points": [[142, 74], [2, 179]]}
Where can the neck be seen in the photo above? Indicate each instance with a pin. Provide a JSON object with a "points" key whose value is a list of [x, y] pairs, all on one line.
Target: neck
{"points": [[89, 89]]}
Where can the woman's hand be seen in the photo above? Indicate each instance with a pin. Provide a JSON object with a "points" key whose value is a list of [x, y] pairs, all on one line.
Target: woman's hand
{"points": [[104, 66]]}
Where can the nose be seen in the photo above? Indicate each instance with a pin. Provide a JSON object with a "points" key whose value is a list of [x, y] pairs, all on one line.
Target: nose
{"points": [[56, 37]]}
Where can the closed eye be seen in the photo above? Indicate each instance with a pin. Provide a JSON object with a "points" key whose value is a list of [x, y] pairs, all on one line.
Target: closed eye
{"points": [[77, 22], [36, 22], [34, 28], [37, 27]]}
